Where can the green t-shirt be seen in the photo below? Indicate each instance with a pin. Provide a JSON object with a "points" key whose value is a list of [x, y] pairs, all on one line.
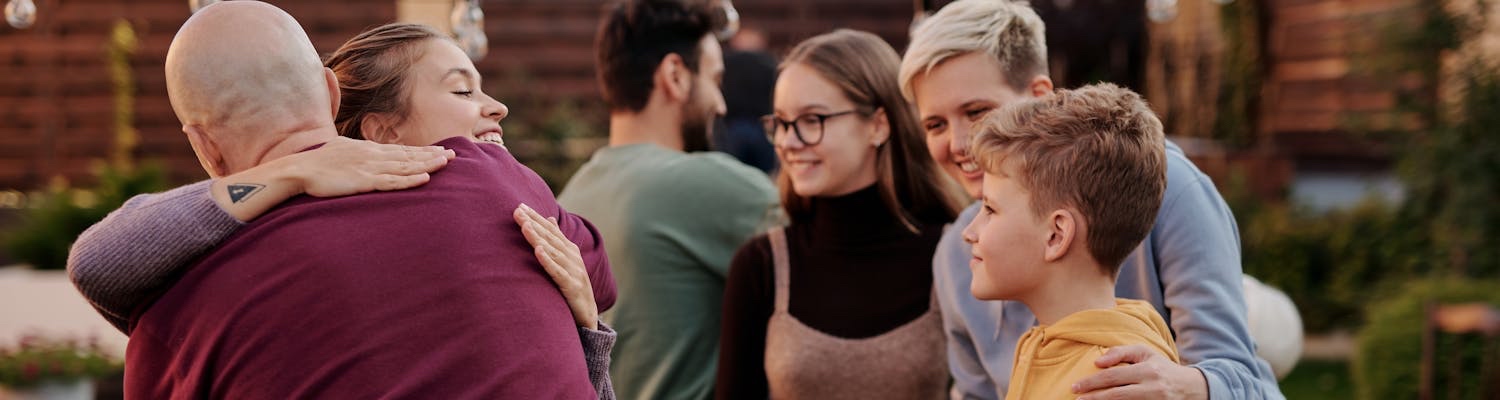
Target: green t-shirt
{"points": [[671, 221]]}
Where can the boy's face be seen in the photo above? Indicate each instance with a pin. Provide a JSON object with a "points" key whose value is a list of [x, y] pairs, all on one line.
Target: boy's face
{"points": [[1008, 240], [950, 99]]}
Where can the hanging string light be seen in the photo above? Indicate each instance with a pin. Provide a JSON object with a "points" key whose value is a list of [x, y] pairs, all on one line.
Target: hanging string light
{"points": [[1161, 10], [196, 5], [20, 13], [731, 21], [468, 29]]}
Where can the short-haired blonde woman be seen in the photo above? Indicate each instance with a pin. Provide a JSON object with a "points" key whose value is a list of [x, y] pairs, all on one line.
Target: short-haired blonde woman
{"points": [[974, 56]]}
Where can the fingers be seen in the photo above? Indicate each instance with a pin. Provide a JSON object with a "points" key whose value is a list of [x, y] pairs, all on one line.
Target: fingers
{"points": [[1121, 393], [548, 227], [543, 239], [1129, 354], [557, 237], [414, 152], [399, 182], [569, 277], [1113, 377], [533, 236], [567, 257], [549, 264], [419, 166], [564, 266]]}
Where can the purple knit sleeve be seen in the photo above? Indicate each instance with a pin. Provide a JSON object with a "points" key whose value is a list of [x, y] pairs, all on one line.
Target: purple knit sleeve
{"points": [[596, 347], [134, 253]]}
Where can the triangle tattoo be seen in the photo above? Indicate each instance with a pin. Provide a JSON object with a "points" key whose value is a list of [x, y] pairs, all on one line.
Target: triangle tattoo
{"points": [[240, 191]]}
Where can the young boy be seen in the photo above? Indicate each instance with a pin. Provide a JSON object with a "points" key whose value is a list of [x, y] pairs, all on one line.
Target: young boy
{"points": [[1071, 185], [974, 56]]}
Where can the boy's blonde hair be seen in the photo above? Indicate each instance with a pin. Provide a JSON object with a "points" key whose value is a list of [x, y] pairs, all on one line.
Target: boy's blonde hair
{"points": [[1007, 30], [1098, 148]]}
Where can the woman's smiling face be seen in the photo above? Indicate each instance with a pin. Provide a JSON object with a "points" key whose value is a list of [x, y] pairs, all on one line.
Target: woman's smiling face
{"points": [[445, 100]]}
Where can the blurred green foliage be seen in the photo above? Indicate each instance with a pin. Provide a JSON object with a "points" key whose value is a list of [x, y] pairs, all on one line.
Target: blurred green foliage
{"points": [[54, 218], [1318, 379], [1387, 364], [1334, 264], [1244, 25], [552, 137], [1451, 166], [1331, 264], [35, 360]]}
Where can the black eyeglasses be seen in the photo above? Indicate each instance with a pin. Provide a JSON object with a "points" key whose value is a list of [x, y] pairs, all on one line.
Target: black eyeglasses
{"points": [[807, 127]]}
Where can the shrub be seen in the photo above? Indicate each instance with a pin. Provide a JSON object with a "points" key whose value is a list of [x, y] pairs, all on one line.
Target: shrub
{"points": [[1331, 264], [55, 218], [1387, 363], [35, 360]]}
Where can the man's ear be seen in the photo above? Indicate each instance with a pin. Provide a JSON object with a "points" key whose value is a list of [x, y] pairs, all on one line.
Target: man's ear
{"points": [[332, 81], [207, 150], [882, 131], [379, 129], [1040, 86], [673, 78], [1063, 228]]}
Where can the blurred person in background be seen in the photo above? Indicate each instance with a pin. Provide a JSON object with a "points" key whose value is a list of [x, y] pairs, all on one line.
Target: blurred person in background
{"points": [[671, 213], [749, 77]]}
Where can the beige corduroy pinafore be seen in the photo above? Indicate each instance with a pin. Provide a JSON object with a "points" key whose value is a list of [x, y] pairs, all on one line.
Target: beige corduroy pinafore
{"points": [[908, 362]]}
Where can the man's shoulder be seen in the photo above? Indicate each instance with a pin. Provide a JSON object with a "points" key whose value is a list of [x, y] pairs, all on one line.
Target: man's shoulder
{"points": [[1181, 173], [714, 167], [701, 171]]}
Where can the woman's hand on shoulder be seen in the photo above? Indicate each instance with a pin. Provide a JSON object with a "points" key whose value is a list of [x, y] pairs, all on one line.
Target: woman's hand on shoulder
{"points": [[341, 167], [563, 262], [346, 166]]}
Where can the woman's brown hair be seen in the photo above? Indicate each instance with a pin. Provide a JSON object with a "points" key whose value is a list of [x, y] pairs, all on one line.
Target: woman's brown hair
{"points": [[864, 68], [371, 69]]}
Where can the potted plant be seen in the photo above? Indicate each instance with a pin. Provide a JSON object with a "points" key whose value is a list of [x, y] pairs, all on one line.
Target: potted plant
{"points": [[39, 368]]}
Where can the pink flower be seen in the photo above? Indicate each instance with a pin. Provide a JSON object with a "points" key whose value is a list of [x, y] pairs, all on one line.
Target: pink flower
{"points": [[28, 341]]}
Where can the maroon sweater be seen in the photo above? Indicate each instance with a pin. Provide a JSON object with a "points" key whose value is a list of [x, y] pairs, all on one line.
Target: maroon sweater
{"points": [[424, 293]]}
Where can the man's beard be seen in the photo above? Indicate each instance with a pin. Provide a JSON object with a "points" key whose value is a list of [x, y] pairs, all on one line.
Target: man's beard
{"points": [[697, 122]]}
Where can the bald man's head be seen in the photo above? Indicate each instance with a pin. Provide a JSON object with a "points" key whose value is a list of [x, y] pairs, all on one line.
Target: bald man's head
{"points": [[243, 72]]}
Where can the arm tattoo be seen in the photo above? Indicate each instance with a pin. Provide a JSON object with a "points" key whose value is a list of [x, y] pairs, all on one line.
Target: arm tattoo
{"points": [[239, 192]]}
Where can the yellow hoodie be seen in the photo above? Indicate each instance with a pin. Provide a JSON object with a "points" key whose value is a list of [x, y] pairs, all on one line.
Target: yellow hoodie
{"points": [[1050, 359]]}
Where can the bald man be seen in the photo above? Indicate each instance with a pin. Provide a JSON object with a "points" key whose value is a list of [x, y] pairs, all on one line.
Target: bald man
{"points": [[424, 293]]}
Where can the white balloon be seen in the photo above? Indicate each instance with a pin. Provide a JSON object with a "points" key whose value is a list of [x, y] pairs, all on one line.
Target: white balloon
{"points": [[1161, 10], [1275, 326], [195, 5]]}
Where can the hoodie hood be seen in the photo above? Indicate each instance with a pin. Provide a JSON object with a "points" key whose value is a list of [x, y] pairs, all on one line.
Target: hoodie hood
{"points": [[1130, 322], [1050, 358]]}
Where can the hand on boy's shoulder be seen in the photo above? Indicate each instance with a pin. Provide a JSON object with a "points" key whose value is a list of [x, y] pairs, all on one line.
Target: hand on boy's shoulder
{"points": [[1138, 372]]}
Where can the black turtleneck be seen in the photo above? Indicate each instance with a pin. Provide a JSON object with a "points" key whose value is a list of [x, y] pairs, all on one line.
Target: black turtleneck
{"points": [[856, 272]]}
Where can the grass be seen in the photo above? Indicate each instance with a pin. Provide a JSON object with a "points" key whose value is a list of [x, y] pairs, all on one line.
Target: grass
{"points": [[1318, 379]]}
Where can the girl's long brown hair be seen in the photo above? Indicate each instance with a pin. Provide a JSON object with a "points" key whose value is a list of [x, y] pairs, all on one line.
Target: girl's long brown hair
{"points": [[864, 67]]}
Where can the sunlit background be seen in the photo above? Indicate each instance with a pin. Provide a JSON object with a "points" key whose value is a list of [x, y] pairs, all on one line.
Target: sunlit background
{"points": [[1354, 139]]}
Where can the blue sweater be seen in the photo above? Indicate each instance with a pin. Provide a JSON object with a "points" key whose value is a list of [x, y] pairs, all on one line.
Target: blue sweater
{"points": [[1188, 268]]}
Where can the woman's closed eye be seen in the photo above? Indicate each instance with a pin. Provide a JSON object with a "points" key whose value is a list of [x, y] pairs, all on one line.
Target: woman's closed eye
{"points": [[933, 127], [976, 113], [464, 93]]}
